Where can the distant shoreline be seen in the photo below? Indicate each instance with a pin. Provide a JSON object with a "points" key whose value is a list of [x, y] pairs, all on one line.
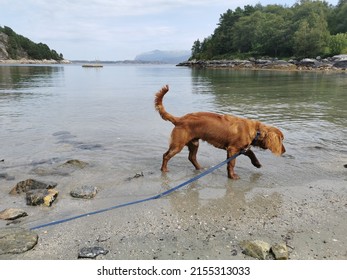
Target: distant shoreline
{"points": [[34, 61], [65, 61], [337, 63]]}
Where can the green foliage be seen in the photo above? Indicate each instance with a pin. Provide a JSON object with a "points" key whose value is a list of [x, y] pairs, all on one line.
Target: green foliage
{"points": [[338, 43], [303, 30], [18, 44]]}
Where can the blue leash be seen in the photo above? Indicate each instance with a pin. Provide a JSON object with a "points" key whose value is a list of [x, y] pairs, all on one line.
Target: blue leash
{"points": [[165, 193]]}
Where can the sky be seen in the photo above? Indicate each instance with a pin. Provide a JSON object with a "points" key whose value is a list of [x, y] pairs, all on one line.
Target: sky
{"points": [[118, 29]]}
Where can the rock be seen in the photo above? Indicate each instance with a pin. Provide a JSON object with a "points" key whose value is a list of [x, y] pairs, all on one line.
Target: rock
{"points": [[6, 176], [280, 251], [31, 184], [91, 252], [75, 163], [42, 171], [257, 249], [12, 214], [309, 62], [15, 240], [339, 57], [341, 64], [90, 147], [38, 197], [336, 63], [84, 192]]}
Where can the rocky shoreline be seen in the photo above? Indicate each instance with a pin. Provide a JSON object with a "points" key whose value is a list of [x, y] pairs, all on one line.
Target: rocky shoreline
{"points": [[335, 63], [33, 61]]}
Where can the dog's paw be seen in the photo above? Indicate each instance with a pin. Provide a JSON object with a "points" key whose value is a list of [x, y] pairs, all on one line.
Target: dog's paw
{"points": [[234, 176]]}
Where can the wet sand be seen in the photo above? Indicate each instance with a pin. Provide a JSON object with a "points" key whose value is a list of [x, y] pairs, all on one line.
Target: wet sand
{"points": [[189, 224]]}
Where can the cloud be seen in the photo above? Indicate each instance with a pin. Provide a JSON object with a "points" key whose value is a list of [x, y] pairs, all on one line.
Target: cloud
{"points": [[80, 28]]}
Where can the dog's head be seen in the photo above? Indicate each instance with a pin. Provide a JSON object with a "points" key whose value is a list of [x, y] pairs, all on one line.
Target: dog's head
{"points": [[271, 138]]}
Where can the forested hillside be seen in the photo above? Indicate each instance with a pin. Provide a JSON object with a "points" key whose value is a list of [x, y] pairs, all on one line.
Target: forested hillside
{"points": [[307, 29], [15, 46]]}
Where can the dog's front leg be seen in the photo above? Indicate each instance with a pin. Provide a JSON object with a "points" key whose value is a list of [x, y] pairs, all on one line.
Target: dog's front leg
{"points": [[253, 158], [231, 165]]}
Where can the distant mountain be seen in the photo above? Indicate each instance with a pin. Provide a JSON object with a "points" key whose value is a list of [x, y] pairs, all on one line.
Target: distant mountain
{"points": [[164, 56]]}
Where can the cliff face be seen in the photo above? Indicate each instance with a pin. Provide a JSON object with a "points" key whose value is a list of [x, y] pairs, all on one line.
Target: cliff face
{"points": [[3, 46]]}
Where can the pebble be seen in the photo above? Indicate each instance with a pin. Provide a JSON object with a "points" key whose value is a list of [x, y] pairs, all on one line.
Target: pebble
{"points": [[91, 252], [280, 251], [257, 249], [86, 192], [12, 214]]}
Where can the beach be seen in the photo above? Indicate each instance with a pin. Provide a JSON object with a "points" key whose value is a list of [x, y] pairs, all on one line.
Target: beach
{"points": [[310, 219], [51, 115]]}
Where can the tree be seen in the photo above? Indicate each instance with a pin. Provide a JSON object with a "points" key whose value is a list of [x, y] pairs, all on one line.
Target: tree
{"points": [[341, 17], [270, 34], [338, 43], [244, 33], [274, 30], [196, 49], [311, 38]]}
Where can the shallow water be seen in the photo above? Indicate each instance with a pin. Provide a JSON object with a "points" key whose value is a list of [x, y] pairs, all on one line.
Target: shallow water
{"points": [[106, 117]]}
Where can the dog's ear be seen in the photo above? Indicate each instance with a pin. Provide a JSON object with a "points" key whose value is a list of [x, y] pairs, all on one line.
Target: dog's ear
{"points": [[273, 140]]}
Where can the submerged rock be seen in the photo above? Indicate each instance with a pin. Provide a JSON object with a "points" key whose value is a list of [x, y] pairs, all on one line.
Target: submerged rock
{"points": [[38, 197], [31, 184], [84, 192], [75, 163], [257, 249], [90, 147], [12, 214], [15, 240], [42, 171], [6, 176], [92, 252]]}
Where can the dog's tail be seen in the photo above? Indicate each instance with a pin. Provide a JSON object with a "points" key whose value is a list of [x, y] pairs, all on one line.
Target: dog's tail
{"points": [[158, 102]]}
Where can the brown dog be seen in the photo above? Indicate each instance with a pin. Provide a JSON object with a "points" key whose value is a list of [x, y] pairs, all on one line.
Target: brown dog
{"points": [[227, 132]]}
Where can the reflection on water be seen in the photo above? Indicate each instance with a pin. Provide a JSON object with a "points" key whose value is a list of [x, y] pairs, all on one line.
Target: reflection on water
{"points": [[275, 96], [49, 114]]}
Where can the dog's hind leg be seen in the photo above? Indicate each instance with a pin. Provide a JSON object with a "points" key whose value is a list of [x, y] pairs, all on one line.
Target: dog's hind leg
{"points": [[178, 141], [193, 147], [171, 152], [253, 158]]}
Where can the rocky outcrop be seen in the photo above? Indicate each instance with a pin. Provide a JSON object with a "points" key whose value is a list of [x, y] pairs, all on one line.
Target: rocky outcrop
{"points": [[338, 62], [33, 61], [3, 43], [25, 51]]}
